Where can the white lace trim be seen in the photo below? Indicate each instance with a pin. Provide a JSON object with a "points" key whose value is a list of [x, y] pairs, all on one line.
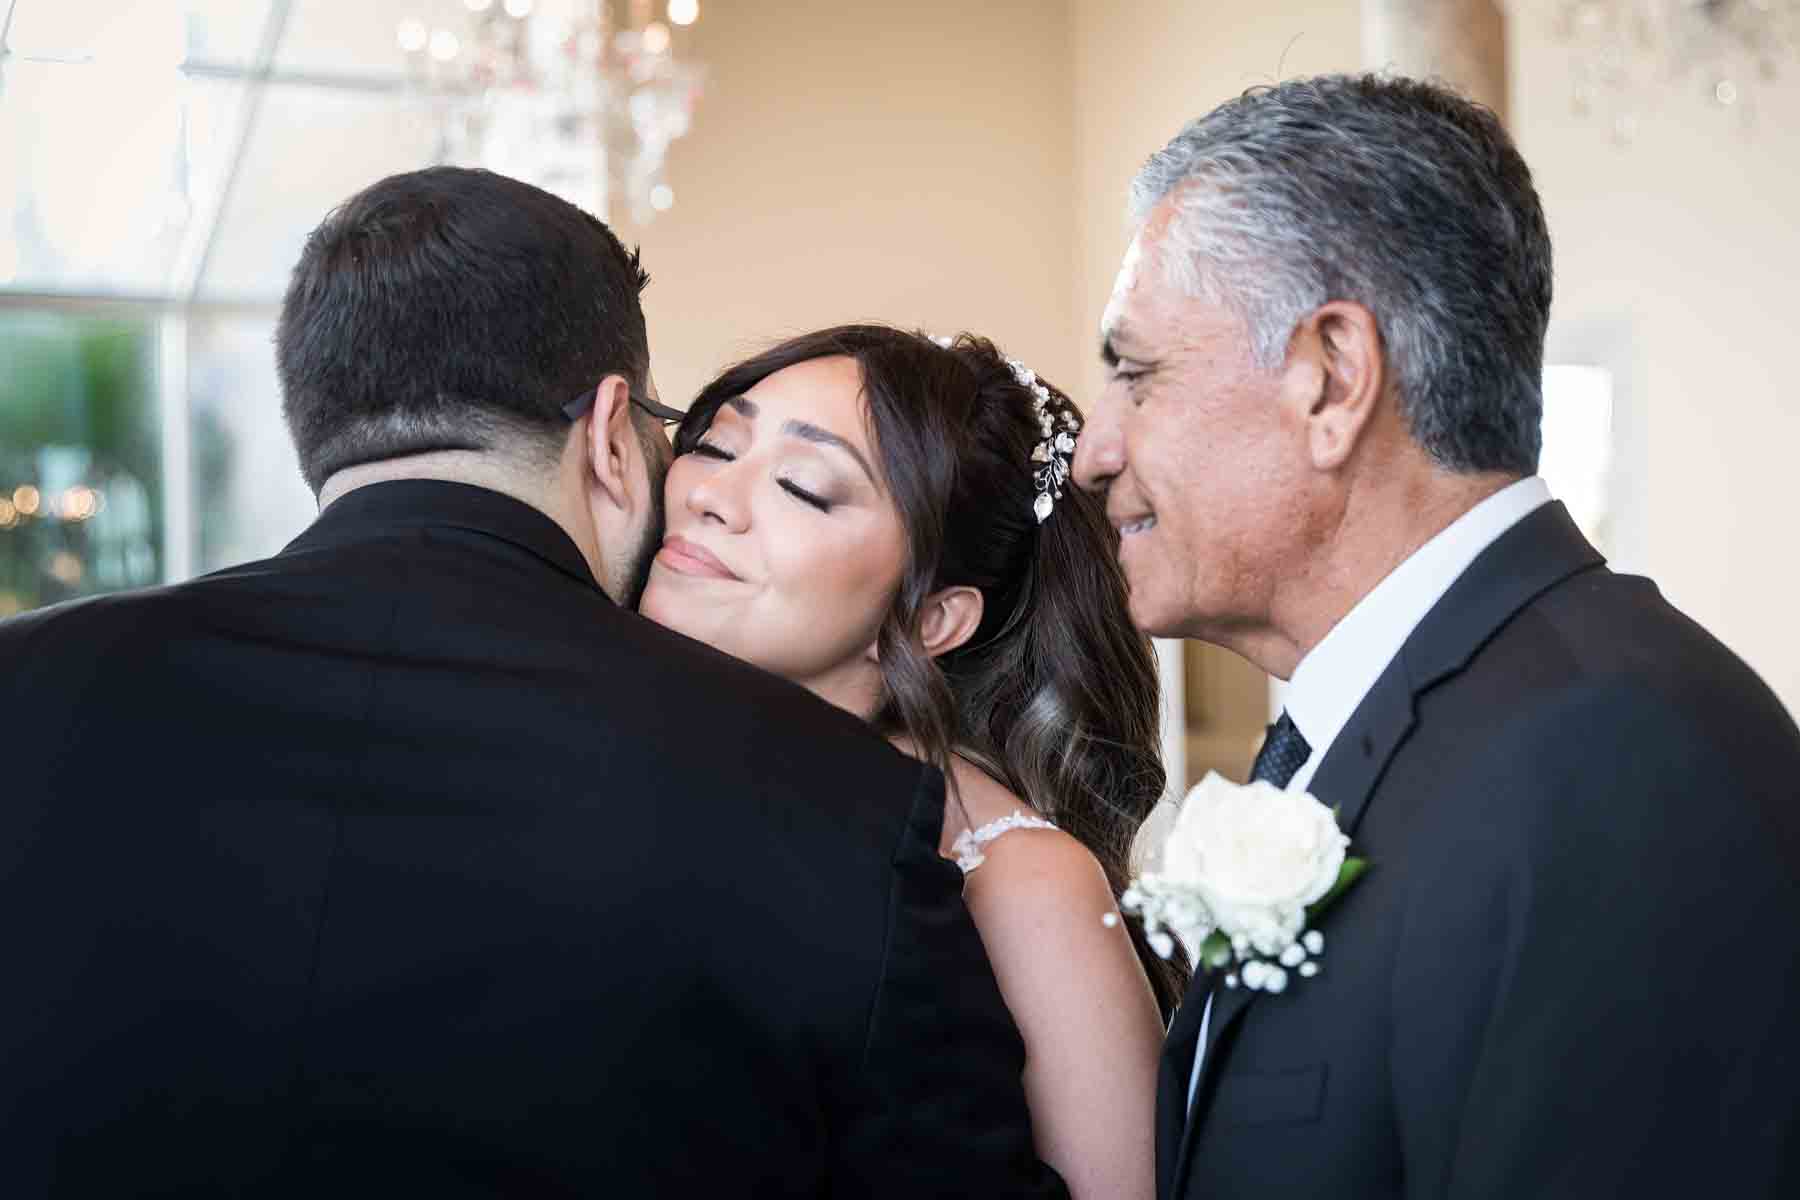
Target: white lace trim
{"points": [[969, 842]]}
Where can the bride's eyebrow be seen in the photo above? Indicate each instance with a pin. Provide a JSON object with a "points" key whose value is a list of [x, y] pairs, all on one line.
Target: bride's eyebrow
{"points": [[807, 431]]}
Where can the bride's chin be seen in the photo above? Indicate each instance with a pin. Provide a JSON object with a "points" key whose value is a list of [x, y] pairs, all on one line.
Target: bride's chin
{"points": [[655, 605], [668, 608]]}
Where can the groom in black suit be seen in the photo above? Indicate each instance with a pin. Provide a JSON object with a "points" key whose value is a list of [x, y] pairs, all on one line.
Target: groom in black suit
{"points": [[1570, 971], [411, 862]]}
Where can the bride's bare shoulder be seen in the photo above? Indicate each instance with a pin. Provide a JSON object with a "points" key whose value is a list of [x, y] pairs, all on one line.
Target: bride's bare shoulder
{"points": [[1041, 900], [1039, 870], [1027, 869]]}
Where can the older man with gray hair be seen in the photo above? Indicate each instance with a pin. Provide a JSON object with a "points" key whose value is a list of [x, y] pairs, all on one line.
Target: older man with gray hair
{"points": [[1569, 971]]}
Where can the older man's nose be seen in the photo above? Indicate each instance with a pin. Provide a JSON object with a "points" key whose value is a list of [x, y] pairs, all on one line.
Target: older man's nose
{"points": [[1099, 451]]}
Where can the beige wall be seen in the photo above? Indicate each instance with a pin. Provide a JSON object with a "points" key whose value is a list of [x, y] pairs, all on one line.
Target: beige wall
{"points": [[905, 162], [1676, 262]]}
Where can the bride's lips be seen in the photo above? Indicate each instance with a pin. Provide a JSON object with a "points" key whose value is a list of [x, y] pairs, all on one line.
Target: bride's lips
{"points": [[690, 558]]}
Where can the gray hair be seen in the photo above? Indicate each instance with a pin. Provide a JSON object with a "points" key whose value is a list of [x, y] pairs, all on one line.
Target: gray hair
{"points": [[1394, 193]]}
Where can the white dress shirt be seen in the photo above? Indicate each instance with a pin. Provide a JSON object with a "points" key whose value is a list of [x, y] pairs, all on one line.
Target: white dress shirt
{"points": [[1329, 684]]}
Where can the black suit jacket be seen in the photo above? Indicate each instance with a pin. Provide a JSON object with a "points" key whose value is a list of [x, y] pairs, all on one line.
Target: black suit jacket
{"points": [[1571, 969], [405, 863]]}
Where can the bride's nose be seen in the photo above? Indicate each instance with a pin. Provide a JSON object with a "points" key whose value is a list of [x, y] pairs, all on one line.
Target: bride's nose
{"points": [[721, 497]]}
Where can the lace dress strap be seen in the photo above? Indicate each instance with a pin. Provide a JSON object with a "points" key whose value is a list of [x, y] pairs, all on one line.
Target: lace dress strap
{"points": [[969, 843]]}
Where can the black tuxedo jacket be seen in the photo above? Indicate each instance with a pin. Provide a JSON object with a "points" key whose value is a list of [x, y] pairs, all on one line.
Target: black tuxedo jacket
{"points": [[1571, 969], [405, 863]]}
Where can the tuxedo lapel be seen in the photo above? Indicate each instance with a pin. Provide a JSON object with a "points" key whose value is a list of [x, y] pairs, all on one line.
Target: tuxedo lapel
{"points": [[1524, 562], [1173, 1072], [1539, 552], [1229, 1006], [1353, 765]]}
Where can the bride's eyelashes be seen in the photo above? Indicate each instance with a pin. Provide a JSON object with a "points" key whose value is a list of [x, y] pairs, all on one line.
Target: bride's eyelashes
{"points": [[707, 449], [805, 497]]}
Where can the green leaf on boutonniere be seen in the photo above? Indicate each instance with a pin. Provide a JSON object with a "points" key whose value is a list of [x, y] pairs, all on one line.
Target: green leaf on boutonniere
{"points": [[1348, 874], [1215, 952]]}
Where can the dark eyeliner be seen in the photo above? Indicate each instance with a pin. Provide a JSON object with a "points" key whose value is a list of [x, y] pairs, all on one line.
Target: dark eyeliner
{"points": [[805, 497]]}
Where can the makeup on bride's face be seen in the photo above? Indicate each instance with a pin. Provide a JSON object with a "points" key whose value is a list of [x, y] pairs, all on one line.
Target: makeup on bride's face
{"points": [[782, 545]]}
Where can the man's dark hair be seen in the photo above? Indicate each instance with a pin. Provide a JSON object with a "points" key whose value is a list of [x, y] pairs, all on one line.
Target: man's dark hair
{"points": [[452, 309]]}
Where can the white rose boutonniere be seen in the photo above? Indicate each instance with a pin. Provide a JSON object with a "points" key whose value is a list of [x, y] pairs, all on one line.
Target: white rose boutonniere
{"points": [[1242, 873]]}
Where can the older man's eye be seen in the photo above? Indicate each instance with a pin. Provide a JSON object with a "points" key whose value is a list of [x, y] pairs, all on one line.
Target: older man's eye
{"points": [[1132, 380]]}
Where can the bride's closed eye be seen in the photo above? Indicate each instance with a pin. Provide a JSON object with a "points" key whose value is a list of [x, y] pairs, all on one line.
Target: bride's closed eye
{"points": [[805, 497], [706, 449]]}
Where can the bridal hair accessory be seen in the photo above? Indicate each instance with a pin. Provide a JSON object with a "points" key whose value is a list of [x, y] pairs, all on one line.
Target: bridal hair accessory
{"points": [[1245, 871], [1055, 451]]}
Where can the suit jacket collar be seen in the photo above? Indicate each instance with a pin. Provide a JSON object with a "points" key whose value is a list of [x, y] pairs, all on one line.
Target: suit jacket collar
{"points": [[1338, 672], [1527, 560], [383, 508], [1533, 556]]}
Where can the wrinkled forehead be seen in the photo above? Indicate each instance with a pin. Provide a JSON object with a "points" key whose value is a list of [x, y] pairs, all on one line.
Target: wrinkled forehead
{"points": [[1125, 283], [1141, 292]]}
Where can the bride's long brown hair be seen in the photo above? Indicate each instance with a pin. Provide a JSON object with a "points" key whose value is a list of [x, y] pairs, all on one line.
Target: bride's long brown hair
{"points": [[1056, 694]]}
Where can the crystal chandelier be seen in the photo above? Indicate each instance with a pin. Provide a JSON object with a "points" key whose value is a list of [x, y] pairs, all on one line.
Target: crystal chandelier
{"points": [[559, 94], [1628, 55]]}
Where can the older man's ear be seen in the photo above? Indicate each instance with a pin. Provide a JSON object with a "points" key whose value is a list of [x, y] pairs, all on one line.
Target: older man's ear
{"points": [[1336, 379]]}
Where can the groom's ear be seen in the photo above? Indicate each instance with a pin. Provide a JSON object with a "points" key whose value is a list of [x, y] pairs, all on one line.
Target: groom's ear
{"points": [[1341, 390], [612, 442], [949, 619]]}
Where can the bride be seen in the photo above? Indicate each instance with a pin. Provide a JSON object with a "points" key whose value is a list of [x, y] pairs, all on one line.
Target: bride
{"points": [[886, 519]]}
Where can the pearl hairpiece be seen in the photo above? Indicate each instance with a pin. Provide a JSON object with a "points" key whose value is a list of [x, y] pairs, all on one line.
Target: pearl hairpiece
{"points": [[1054, 453]]}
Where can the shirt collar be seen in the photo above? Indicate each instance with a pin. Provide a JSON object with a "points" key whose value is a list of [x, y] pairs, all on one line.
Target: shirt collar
{"points": [[377, 509], [1336, 674]]}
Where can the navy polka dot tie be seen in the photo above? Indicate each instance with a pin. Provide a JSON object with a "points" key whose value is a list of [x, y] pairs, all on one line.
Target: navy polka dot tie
{"points": [[1283, 752]]}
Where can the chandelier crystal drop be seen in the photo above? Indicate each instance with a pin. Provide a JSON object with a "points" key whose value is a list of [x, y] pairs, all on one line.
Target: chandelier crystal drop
{"points": [[1629, 57], [559, 93]]}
